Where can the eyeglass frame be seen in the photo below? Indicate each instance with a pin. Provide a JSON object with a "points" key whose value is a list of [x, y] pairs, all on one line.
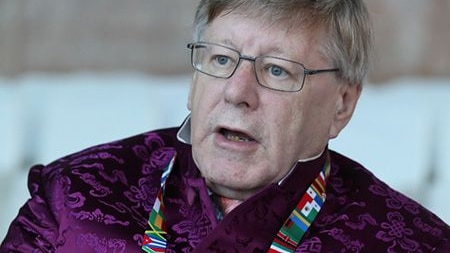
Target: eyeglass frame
{"points": [[253, 59]]}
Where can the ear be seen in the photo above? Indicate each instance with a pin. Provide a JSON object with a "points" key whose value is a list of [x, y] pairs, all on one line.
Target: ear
{"points": [[345, 106]]}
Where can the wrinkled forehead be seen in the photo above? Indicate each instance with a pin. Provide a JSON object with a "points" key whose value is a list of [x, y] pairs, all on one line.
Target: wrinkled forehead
{"points": [[298, 27], [301, 18], [235, 27], [290, 21], [253, 36]]}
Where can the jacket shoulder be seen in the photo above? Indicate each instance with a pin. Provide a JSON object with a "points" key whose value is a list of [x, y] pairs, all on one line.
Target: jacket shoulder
{"points": [[100, 195], [127, 155], [110, 170], [363, 213]]}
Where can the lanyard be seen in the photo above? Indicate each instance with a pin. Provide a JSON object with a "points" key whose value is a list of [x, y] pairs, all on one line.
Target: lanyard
{"points": [[287, 238], [155, 237], [301, 218]]}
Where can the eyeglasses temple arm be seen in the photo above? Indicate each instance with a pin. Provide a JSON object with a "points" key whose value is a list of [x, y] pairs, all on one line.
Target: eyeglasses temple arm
{"points": [[317, 71]]}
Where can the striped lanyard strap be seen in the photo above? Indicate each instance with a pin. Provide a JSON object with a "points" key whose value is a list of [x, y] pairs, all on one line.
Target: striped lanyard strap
{"points": [[155, 236], [287, 238], [293, 229]]}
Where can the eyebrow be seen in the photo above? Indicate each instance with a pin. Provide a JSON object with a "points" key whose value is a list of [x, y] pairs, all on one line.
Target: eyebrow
{"points": [[272, 51]]}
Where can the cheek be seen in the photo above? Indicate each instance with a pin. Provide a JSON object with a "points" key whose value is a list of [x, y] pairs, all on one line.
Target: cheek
{"points": [[193, 93], [285, 123], [318, 118], [320, 103], [301, 125], [203, 94]]}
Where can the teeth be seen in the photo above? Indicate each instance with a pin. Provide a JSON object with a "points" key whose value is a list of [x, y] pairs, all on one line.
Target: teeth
{"points": [[233, 137]]}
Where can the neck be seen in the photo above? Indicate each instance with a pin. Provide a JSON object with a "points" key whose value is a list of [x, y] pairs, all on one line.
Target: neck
{"points": [[227, 204], [231, 193]]}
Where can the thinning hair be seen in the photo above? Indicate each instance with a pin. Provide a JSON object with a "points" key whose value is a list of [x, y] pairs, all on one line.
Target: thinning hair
{"points": [[345, 24]]}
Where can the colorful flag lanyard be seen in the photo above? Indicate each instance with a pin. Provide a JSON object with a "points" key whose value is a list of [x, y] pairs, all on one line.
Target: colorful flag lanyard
{"points": [[287, 238]]}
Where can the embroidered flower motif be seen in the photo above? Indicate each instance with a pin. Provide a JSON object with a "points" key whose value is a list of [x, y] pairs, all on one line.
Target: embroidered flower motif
{"points": [[311, 245], [101, 244], [97, 156], [331, 219], [75, 200], [142, 195], [100, 217], [350, 243], [153, 153], [114, 177], [152, 142], [394, 199], [395, 231], [98, 189], [196, 229], [434, 231], [363, 220]]}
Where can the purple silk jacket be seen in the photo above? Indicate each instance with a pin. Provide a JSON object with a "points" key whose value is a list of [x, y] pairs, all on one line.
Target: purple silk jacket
{"points": [[99, 200]]}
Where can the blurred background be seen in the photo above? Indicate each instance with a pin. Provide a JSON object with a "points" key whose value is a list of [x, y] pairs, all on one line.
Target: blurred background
{"points": [[78, 73]]}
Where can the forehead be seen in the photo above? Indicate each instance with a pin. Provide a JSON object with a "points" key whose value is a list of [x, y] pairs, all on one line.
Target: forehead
{"points": [[264, 36]]}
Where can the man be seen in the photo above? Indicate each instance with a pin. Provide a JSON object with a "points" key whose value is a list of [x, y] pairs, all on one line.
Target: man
{"points": [[249, 170]]}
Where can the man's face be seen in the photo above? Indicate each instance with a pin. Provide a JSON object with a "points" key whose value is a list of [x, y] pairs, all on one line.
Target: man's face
{"points": [[245, 136]]}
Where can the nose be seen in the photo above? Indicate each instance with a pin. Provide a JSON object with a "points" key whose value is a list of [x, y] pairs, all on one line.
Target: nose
{"points": [[242, 87]]}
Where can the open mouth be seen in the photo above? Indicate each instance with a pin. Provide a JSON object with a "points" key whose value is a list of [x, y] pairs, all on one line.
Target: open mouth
{"points": [[235, 136]]}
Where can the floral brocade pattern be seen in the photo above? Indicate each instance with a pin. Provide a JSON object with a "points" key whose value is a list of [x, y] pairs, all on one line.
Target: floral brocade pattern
{"points": [[363, 214], [98, 201]]}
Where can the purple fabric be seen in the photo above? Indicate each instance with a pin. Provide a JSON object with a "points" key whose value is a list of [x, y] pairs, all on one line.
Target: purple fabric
{"points": [[98, 200], [250, 227]]}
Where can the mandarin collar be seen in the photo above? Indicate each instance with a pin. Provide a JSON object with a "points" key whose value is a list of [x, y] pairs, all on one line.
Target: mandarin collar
{"points": [[184, 133], [304, 172]]}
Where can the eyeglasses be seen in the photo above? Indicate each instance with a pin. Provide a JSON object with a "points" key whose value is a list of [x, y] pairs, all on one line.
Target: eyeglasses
{"points": [[271, 72]]}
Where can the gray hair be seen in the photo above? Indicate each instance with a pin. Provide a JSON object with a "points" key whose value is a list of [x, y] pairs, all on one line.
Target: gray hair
{"points": [[345, 23]]}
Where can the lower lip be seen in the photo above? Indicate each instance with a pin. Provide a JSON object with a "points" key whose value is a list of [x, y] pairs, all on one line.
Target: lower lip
{"points": [[241, 146]]}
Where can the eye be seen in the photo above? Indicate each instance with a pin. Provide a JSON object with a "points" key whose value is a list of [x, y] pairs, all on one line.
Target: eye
{"points": [[221, 59], [277, 71]]}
